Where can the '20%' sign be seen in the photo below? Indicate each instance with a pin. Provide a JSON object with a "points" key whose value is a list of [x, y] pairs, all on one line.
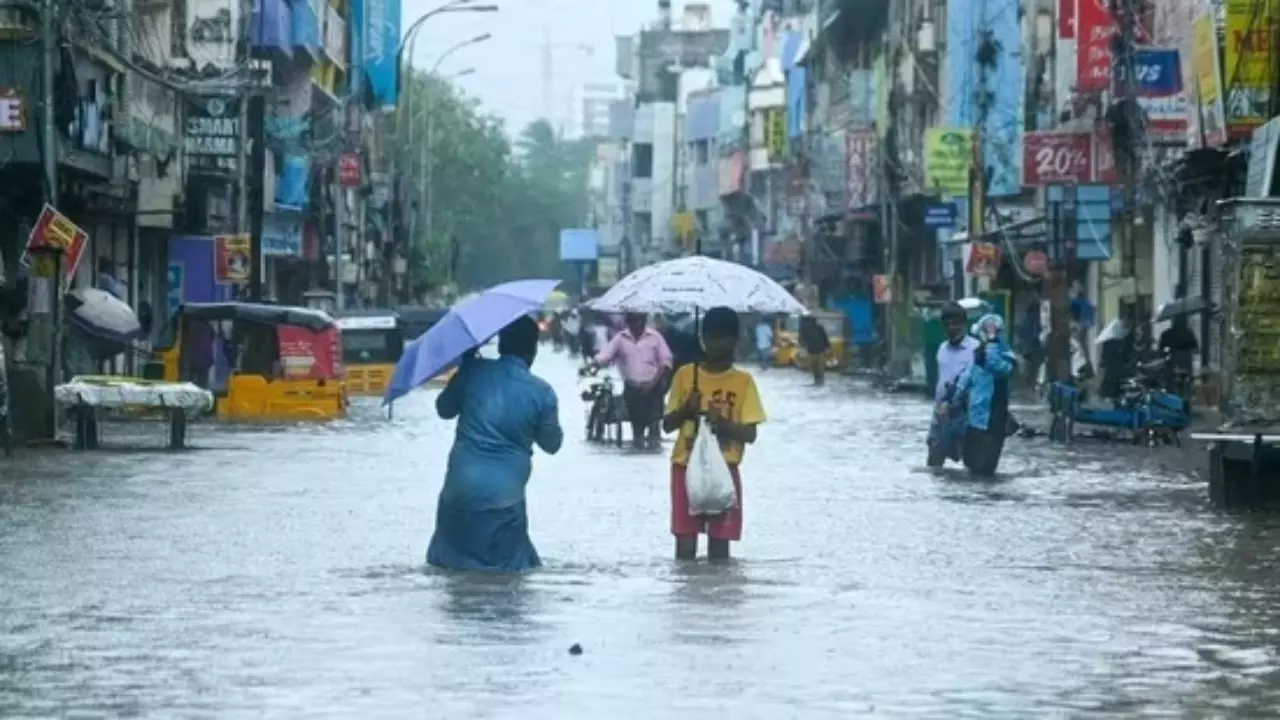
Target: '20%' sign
{"points": [[1049, 158]]}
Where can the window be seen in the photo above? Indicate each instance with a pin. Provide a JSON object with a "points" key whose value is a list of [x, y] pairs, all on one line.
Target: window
{"points": [[702, 152], [642, 160]]}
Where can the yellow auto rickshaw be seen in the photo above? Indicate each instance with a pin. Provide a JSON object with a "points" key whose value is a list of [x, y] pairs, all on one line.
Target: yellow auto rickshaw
{"points": [[271, 363], [786, 338], [372, 341]]}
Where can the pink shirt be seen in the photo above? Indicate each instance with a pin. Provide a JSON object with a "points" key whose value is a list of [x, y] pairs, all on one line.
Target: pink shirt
{"points": [[641, 361]]}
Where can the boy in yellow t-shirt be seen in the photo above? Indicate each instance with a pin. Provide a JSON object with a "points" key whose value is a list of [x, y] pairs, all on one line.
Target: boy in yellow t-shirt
{"points": [[729, 399]]}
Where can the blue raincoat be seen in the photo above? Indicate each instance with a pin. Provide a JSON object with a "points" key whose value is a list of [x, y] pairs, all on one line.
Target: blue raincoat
{"points": [[983, 393], [979, 385]]}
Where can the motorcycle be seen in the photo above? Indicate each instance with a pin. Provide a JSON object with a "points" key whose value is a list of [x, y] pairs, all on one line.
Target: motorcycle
{"points": [[606, 413]]}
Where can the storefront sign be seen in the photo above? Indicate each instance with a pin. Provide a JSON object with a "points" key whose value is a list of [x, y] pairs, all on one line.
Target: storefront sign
{"points": [[1207, 115], [232, 258], [948, 155], [1056, 157], [349, 170], [983, 260], [1094, 57], [861, 173], [1158, 86], [212, 134], [55, 230], [1248, 63], [940, 215], [13, 110]]}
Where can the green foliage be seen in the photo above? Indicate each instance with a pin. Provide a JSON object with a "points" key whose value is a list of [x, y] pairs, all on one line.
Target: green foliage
{"points": [[503, 203]]}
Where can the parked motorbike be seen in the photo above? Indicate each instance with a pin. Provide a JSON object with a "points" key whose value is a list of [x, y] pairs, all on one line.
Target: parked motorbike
{"points": [[1143, 406], [606, 413]]}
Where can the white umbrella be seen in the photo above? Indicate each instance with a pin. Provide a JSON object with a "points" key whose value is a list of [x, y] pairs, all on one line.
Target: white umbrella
{"points": [[697, 283], [102, 314]]}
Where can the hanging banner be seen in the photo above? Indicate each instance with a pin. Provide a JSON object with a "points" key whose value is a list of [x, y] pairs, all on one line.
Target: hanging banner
{"points": [[175, 285], [948, 155], [1056, 157], [1208, 119], [776, 134], [983, 260], [375, 52], [1248, 64], [882, 289], [232, 259], [1096, 31], [862, 173]]}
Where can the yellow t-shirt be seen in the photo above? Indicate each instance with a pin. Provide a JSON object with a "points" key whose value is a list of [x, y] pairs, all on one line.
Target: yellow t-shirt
{"points": [[733, 391]]}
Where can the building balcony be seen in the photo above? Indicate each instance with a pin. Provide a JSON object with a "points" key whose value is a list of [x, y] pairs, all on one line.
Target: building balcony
{"points": [[334, 43]]}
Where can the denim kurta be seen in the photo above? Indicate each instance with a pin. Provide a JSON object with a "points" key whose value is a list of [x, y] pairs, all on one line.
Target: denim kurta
{"points": [[503, 410]]}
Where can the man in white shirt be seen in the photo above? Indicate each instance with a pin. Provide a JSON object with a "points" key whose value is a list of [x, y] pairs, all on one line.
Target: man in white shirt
{"points": [[956, 354], [573, 330]]}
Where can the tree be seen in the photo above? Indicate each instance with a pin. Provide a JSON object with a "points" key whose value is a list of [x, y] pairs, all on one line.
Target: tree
{"points": [[496, 209]]}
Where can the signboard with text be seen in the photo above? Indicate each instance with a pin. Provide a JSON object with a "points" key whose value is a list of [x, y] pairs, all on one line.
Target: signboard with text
{"points": [[211, 135], [1056, 157], [349, 170], [55, 230]]}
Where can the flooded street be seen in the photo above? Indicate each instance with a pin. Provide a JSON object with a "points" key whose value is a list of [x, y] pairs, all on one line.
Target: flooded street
{"points": [[280, 574]]}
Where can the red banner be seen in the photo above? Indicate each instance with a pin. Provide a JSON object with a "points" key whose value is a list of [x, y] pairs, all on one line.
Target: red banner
{"points": [[1095, 28], [1066, 19], [1056, 157], [861, 173], [983, 260]]}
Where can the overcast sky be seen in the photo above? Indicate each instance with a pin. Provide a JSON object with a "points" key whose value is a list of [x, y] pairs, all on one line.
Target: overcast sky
{"points": [[508, 67]]}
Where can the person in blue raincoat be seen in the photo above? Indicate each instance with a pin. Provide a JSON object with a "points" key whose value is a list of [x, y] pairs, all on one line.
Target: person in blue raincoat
{"points": [[503, 410], [983, 390]]}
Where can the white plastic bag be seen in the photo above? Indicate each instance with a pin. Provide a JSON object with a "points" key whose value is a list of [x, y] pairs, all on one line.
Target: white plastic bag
{"points": [[708, 481]]}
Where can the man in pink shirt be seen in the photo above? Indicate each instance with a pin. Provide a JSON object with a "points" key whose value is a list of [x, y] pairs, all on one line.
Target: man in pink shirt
{"points": [[644, 360]]}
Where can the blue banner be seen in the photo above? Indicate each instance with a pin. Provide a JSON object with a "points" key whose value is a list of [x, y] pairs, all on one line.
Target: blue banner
{"points": [[375, 37], [1158, 72], [1005, 82], [940, 215]]}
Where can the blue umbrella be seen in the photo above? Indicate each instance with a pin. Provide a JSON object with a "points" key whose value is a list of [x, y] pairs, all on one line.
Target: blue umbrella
{"points": [[468, 325]]}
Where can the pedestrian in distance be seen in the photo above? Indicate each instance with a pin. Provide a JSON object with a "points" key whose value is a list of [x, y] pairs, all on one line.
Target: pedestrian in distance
{"points": [[764, 342], [727, 396], [503, 411], [645, 364], [816, 344]]}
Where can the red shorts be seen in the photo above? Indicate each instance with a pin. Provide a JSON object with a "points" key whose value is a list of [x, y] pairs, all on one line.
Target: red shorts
{"points": [[721, 527]]}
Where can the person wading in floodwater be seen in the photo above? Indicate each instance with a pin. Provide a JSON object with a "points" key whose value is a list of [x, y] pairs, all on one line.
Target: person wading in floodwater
{"points": [[729, 398], [645, 362], [983, 390], [955, 355], [816, 344], [503, 410]]}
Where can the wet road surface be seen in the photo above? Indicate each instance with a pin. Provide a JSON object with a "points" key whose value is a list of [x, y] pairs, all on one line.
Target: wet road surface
{"points": [[280, 574]]}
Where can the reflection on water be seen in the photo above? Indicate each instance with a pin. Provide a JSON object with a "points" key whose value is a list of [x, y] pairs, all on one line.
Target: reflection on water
{"points": [[278, 573]]}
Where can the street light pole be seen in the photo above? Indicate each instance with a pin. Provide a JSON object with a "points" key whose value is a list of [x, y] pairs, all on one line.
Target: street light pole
{"points": [[404, 119], [428, 163]]}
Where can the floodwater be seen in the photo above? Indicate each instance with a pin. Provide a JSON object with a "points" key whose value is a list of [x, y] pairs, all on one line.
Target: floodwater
{"points": [[280, 574]]}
